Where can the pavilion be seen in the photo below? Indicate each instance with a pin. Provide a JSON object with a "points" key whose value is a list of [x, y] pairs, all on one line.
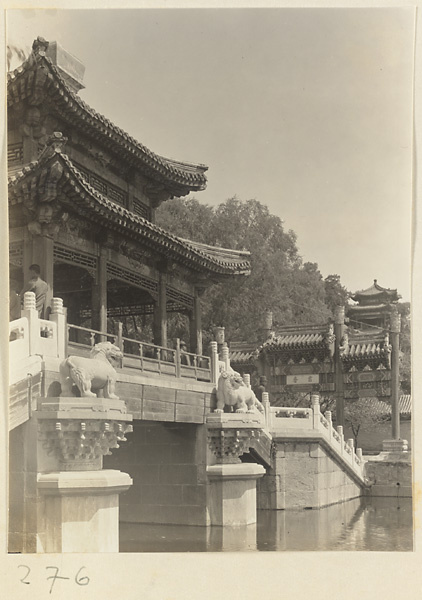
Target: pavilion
{"points": [[82, 201]]}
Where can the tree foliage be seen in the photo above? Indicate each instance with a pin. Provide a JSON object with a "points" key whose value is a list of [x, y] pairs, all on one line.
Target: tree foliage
{"points": [[360, 413], [335, 293], [294, 291]]}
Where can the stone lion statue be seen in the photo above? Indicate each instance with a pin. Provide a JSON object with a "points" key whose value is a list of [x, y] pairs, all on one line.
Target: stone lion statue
{"points": [[232, 391], [91, 375]]}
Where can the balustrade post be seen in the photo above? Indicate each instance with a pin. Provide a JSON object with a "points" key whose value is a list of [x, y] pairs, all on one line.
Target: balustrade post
{"points": [[57, 316], [267, 409], [359, 453], [214, 362], [328, 415], [225, 356], [340, 432], [247, 380], [30, 312], [315, 410], [350, 442]]}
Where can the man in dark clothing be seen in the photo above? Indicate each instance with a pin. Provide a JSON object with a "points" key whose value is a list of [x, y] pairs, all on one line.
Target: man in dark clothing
{"points": [[39, 287], [261, 387]]}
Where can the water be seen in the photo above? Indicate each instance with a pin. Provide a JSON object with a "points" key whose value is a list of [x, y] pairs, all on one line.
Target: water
{"points": [[381, 524]]}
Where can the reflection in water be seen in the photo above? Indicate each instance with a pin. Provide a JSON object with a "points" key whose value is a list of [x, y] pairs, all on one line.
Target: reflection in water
{"points": [[360, 524]]}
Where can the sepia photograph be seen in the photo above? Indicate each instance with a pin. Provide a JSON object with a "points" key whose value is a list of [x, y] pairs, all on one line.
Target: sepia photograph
{"points": [[209, 265]]}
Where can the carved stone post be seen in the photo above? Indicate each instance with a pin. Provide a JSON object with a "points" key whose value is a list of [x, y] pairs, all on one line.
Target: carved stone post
{"points": [[214, 362], [232, 497], [267, 408], [57, 315]]}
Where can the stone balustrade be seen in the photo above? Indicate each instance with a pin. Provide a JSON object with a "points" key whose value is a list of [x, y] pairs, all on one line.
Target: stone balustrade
{"points": [[292, 422]]}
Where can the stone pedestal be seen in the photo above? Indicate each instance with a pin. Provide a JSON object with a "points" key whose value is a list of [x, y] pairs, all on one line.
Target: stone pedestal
{"points": [[232, 484], [78, 501], [395, 446], [79, 511], [390, 473], [232, 494]]}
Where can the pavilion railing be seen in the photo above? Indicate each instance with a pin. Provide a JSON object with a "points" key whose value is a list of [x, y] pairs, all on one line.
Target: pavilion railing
{"points": [[142, 356]]}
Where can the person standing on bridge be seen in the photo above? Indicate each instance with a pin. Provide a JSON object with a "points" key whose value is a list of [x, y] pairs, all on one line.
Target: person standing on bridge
{"points": [[39, 287]]}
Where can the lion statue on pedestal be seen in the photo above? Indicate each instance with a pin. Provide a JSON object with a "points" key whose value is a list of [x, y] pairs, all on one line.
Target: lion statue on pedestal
{"points": [[92, 376], [233, 392]]}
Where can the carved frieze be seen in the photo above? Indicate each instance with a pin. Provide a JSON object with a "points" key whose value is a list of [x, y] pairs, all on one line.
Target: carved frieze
{"points": [[230, 435], [79, 445], [229, 444]]}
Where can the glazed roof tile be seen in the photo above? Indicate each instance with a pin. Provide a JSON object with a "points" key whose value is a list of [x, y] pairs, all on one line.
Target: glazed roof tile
{"points": [[365, 345], [38, 72], [300, 336], [92, 202]]}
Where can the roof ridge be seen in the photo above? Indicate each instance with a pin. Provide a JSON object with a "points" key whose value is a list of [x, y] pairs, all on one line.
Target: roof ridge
{"points": [[175, 168]]}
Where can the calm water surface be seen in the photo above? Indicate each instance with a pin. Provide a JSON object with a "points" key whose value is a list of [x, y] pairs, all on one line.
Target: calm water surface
{"points": [[381, 524]]}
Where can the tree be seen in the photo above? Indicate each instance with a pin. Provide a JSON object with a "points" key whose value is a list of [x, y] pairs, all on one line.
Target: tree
{"points": [[358, 413], [335, 293], [279, 281]]}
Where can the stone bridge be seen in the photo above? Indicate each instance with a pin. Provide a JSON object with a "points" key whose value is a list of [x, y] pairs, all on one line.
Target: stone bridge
{"points": [[174, 459]]}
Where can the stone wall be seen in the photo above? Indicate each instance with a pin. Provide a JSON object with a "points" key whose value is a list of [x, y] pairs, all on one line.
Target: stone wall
{"points": [[23, 498], [167, 462], [305, 475], [390, 475]]}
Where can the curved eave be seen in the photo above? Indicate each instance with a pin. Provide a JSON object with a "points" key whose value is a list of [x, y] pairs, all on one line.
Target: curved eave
{"points": [[95, 206], [292, 347], [25, 81]]}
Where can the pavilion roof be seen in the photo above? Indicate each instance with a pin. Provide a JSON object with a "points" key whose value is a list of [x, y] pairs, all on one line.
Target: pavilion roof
{"points": [[78, 195], [375, 293], [38, 76]]}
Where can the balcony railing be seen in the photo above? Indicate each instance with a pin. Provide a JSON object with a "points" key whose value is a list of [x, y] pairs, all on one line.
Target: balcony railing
{"points": [[142, 356]]}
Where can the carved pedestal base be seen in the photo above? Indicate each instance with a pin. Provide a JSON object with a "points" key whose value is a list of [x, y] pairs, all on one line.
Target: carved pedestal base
{"points": [[390, 472], [78, 508], [233, 493], [79, 511], [395, 446], [232, 497]]}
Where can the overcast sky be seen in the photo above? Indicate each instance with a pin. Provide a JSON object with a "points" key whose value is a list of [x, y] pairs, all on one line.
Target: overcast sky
{"points": [[307, 110]]}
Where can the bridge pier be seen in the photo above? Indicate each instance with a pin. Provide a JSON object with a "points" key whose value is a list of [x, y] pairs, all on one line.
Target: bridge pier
{"points": [[62, 499], [305, 474]]}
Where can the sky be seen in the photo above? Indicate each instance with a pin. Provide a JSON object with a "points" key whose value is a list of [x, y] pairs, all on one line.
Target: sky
{"points": [[308, 110]]}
